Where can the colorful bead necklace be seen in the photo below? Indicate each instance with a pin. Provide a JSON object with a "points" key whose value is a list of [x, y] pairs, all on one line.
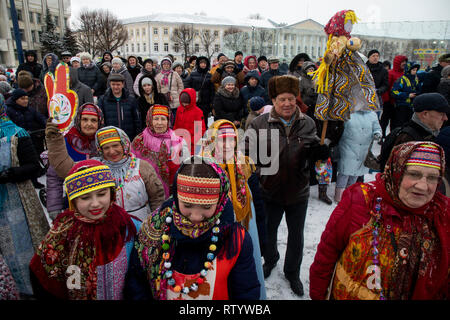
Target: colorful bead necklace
{"points": [[375, 233], [130, 169], [166, 264]]}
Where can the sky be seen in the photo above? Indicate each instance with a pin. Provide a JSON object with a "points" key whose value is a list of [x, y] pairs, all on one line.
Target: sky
{"points": [[288, 11]]}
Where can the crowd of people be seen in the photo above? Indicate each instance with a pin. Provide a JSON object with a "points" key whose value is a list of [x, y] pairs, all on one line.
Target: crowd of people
{"points": [[150, 200]]}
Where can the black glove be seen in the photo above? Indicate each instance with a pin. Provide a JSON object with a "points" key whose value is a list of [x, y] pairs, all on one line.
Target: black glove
{"points": [[5, 176], [322, 152]]}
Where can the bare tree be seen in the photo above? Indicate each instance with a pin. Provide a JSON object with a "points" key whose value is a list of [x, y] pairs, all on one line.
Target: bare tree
{"points": [[99, 30], [111, 32], [235, 38], [262, 37], [183, 36], [207, 39]]}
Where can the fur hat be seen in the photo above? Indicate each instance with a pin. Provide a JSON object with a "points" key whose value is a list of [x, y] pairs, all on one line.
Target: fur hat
{"points": [[85, 55], [283, 84]]}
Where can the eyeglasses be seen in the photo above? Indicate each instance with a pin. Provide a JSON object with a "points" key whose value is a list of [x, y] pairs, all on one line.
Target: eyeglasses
{"points": [[416, 176]]}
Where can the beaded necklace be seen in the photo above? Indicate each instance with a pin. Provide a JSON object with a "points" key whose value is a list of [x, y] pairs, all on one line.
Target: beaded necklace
{"points": [[130, 169], [375, 233], [165, 271]]}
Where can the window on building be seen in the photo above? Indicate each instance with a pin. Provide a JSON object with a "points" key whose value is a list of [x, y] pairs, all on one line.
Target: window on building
{"points": [[312, 51], [155, 30], [137, 32], [176, 47], [216, 47], [138, 47], [166, 31], [38, 18], [66, 23], [285, 36], [19, 14], [145, 47], [56, 21], [196, 48], [127, 48], [216, 33], [306, 49], [131, 32], [269, 49], [196, 32], [33, 35], [39, 36], [166, 47], [143, 32], [156, 47], [292, 50], [31, 17], [132, 47]]}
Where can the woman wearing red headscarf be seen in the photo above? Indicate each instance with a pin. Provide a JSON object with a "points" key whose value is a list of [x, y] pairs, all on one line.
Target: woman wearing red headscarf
{"points": [[389, 239]]}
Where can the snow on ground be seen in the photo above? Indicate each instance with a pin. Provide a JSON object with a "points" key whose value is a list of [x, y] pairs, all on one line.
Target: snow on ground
{"points": [[277, 287]]}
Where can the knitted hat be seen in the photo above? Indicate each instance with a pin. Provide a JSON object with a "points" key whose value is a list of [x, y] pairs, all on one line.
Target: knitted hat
{"points": [[198, 190], [371, 52], [117, 60], [75, 59], [159, 110], [87, 176], [426, 155], [431, 101], [226, 130], [177, 64], [262, 58], [256, 103], [16, 94], [4, 87], [146, 80], [283, 84], [228, 79], [85, 55], [229, 63], [116, 77], [166, 59]]}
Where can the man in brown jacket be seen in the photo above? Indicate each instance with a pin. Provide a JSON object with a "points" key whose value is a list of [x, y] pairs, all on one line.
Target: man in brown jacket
{"points": [[292, 144]]}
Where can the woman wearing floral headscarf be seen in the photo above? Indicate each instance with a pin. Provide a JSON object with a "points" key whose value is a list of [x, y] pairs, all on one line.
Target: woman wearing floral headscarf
{"points": [[389, 239], [80, 145], [170, 84], [23, 223], [191, 248], [221, 144], [160, 146]]}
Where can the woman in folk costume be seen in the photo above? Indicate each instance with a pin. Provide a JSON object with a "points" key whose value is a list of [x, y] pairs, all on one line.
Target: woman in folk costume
{"points": [[23, 223], [221, 144], [85, 255], [389, 238], [344, 83], [139, 191], [191, 248], [80, 144], [160, 146]]}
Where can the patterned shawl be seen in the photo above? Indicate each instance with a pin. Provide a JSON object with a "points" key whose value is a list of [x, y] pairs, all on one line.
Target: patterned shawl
{"points": [[238, 173], [424, 235], [77, 240], [149, 244]]}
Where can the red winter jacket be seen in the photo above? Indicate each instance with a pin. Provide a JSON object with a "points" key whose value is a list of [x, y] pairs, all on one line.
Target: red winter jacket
{"points": [[395, 73], [187, 116]]}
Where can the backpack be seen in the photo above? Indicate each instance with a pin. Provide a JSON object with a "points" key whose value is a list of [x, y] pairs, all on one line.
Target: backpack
{"points": [[389, 143]]}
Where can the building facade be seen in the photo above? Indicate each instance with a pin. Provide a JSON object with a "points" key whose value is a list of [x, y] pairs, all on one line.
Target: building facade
{"points": [[31, 19]]}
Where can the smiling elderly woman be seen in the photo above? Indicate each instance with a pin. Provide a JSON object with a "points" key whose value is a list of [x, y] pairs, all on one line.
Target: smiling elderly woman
{"points": [[389, 239]]}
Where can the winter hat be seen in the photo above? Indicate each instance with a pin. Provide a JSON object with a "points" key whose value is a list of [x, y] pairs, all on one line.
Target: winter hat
{"points": [[85, 55], [185, 98], [87, 176], [75, 59], [166, 59], [445, 58], [283, 84], [273, 60], [309, 64], [159, 110], [2, 70], [117, 60], [66, 54], [4, 87], [146, 80], [262, 58], [371, 52], [229, 63], [16, 94], [116, 77], [256, 103], [431, 101], [227, 80], [226, 130], [107, 63], [220, 55], [445, 72], [177, 64], [24, 80]]}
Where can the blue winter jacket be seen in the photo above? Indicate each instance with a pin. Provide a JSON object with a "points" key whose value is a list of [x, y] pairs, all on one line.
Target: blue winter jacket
{"points": [[248, 92]]}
